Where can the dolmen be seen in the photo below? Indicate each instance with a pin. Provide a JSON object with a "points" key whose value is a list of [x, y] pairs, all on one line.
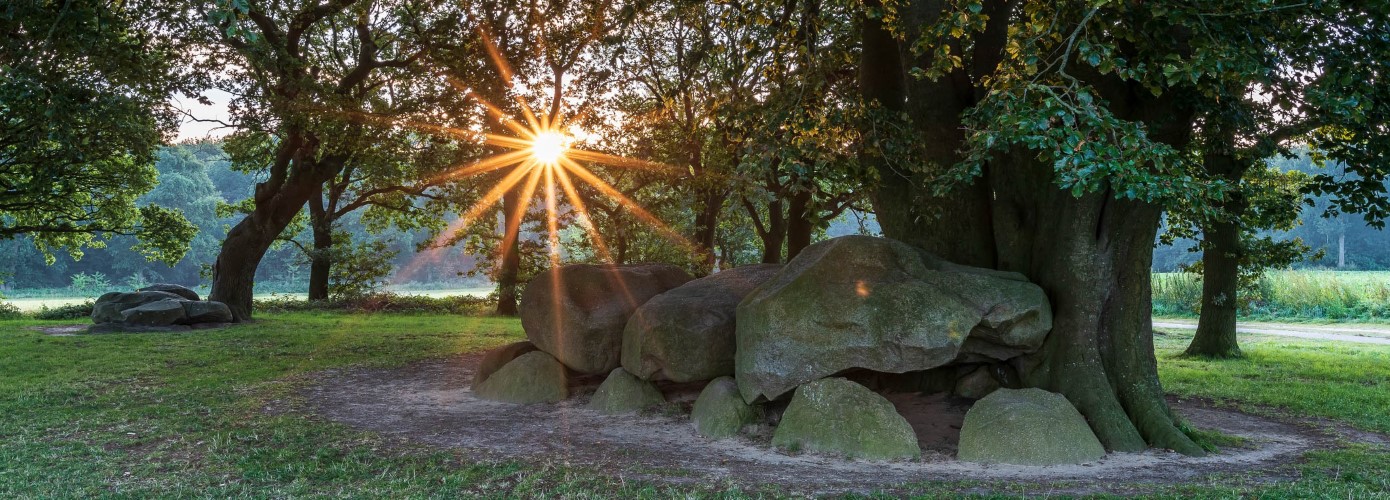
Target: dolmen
{"points": [[160, 307], [815, 339]]}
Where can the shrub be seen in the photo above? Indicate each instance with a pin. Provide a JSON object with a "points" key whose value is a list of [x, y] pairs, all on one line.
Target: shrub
{"points": [[383, 302], [10, 311], [70, 311]]}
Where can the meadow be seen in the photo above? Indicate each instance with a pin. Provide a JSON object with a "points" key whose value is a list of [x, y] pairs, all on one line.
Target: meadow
{"points": [[219, 414], [1336, 296]]}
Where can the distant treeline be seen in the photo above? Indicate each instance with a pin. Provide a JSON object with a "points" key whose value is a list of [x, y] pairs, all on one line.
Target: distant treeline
{"points": [[198, 180], [1343, 242]]}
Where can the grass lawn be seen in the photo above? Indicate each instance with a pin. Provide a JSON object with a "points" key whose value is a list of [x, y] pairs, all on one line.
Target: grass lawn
{"points": [[202, 414]]}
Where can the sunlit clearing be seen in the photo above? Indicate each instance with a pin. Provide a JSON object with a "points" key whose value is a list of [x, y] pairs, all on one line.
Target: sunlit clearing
{"points": [[548, 147]]}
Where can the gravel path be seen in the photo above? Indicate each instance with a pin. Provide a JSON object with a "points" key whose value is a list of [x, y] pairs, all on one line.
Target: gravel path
{"points": [[1339, 333]]}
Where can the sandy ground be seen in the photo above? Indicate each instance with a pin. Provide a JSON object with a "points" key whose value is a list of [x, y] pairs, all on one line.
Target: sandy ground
{"points": [[430, 402], [1343, 332]]}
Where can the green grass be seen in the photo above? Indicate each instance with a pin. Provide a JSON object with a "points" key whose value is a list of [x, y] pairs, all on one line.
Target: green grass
{"points": [[1362, 296], [205, 415]]}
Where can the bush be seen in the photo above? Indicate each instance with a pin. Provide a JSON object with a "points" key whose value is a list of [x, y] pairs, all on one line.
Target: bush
{"points": [[70, 311], [382, 302], [10, 311]]}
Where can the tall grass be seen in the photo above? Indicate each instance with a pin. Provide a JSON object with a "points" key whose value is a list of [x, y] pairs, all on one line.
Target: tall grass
{"points": [[1332, 295]]}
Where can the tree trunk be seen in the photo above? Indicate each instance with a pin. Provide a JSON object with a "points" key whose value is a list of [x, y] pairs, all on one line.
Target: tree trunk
{"points": [[1341, 250], [799, 225], [234, 273], [706, 223], [510, 269], [775, 235], [1221, 252], [1090, 254], [1216, 327], [320, 257]]}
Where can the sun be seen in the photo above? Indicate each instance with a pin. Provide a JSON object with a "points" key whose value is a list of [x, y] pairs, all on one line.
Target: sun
{"points": [[548, 148]]}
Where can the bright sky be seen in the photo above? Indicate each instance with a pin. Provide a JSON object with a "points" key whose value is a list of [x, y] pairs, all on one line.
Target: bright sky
{"points": [[191, 129]]}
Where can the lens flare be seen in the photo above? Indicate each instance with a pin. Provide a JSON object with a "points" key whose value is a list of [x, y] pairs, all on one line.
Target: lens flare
{"points": [[548, 147]]}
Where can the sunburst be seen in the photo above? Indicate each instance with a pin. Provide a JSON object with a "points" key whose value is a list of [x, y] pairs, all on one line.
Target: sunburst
{"points": [[542, 157]]}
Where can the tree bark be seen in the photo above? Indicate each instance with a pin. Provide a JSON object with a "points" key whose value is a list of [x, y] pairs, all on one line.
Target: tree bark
{"points": [[1221, 253], [1090, 254], [320, 257], [510, 269], [799, 224], [775, 235], [277, 201], [706, 224], [1341, 250]]}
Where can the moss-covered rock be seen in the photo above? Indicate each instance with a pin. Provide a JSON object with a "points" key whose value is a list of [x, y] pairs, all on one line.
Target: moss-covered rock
{"points": [[976, 384], [882, 305], [841, 417], [687, 333], [534, 377], [577, 313], [1027, 427], [497, 358], [720, 411], [622, 392]]}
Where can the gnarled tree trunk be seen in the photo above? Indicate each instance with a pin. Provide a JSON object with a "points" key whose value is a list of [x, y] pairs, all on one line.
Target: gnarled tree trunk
{"points": [[1091, 254], [278, 199]]}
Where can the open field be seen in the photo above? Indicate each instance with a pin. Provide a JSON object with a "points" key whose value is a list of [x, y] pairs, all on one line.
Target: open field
{"points": [[1335, 296], [221, 413], [37, 303]]}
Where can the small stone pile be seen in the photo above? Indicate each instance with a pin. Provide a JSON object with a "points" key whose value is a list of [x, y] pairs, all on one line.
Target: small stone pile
{"points": [[161, 307], [844, 317]]}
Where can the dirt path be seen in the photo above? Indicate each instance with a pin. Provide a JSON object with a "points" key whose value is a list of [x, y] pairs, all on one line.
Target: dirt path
{"points": [[1342, 333], [430, 402]]}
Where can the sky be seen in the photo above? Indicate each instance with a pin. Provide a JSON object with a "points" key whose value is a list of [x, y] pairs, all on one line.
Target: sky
{"points": [[191, 129]]}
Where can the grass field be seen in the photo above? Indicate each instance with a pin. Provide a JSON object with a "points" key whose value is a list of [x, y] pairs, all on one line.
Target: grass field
{"points": [[1337, 296], [203, 414], [31, 304]]}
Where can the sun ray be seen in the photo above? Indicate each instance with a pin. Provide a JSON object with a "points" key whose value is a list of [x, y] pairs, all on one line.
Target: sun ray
{"points": [[513, 230], [582, 212], [494, 162], [491, 198], [619, 161], [492, 109], [593, 180], [552, 219]]}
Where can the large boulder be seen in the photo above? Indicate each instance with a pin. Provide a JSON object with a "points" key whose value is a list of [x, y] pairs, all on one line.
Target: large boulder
{"points": [[1027, 427], [160, 313], [687, 334], [720, 411], [881, 305], [497, 358], [840, 417], [534, 377], [577, 313], [206, 311], [109, 306], [623, 393], [180, 290]]}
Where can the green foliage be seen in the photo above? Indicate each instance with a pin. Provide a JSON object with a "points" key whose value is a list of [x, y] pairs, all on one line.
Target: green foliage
{"points": [[10, 311], [82, 311], [88, 284], [1298, 295], [358, 268], [84, 92], [381, 302]]}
